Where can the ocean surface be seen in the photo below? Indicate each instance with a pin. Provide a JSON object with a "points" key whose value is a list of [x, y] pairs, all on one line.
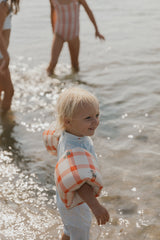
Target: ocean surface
{"points": [[124, 73]]}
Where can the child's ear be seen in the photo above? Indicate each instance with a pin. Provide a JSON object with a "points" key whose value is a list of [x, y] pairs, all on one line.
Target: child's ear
{"points": [[67, 122]]}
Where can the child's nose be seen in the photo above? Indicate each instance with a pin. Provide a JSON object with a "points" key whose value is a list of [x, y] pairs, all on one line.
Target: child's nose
{"points": [[95, 121]]}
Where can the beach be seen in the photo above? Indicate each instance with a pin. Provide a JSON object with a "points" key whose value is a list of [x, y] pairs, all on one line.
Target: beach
{"points": [[123, 72]]}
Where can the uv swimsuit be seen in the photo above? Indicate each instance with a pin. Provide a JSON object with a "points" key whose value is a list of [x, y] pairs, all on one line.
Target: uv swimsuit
{"points": [[6, 25], [67, 19]]}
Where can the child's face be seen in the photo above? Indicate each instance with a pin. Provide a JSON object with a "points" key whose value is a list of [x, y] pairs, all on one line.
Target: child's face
{"points": [[85, 121]]}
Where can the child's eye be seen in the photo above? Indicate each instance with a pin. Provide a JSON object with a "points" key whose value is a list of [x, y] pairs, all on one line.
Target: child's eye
{"points": [[97, 115], [88, 117]]}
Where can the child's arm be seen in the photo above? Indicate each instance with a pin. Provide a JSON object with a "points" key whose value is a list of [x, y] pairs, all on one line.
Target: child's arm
{"points": [[92, 18], [86, 193]]}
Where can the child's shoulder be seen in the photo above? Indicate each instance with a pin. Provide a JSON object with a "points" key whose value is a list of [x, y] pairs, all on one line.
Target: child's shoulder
{"points": [[74, 141]]}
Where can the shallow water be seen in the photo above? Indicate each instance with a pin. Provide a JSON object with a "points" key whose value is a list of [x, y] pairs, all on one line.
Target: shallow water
{"points": [[124, 75]]}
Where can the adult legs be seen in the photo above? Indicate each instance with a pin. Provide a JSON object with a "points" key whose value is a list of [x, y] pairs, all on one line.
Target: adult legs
{"points": [[74, 46], [6, 86], [55, 52], [5, 79]]}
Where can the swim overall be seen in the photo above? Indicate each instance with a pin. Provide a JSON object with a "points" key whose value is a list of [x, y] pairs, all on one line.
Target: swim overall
{"points": [[67, 19]]}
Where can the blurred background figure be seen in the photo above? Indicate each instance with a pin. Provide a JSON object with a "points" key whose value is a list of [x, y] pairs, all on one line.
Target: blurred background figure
{"points": [[6, 86], [65, 25]]}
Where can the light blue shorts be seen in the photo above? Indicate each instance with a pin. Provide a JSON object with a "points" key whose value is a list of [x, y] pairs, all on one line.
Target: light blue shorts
{"points": [[77, 220]]}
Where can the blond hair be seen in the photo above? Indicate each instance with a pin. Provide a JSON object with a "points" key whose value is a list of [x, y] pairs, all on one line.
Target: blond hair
{"points": [[68, 102]]}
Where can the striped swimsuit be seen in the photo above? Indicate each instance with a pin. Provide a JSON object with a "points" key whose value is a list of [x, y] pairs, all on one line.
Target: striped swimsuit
{"points": [[67, 19]]}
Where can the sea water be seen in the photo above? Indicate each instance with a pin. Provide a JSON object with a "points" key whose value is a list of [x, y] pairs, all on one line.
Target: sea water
{"points": [[123, 72]]}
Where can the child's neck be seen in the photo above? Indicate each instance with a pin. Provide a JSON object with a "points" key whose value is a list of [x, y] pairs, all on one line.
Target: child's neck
{"points": [[73, 133]]}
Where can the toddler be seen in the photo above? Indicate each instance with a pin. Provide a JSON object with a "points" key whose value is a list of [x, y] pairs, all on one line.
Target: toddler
{"points": [[77, 120]]}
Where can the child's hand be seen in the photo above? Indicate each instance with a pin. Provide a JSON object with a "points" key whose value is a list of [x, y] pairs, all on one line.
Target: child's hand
{"points": [[100, 36], [101, 214]]}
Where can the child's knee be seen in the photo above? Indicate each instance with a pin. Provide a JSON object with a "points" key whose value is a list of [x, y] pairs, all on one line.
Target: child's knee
{"points": [[9, 92], [7, 100], [12, 91]]}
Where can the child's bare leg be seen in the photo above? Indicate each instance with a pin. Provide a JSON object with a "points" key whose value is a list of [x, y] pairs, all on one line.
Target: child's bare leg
{"points": [[65, 237], [56, 49], [74, 46]]}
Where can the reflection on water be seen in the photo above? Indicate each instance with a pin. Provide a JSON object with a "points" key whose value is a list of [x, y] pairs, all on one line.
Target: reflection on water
{"points": [[123, 73], [27, 196], [27, 207], [8, 143]]}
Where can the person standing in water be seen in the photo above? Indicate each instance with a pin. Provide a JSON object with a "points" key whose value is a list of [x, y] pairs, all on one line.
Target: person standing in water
{"points": [[65, 25], [6, 86], [77, 176]]}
